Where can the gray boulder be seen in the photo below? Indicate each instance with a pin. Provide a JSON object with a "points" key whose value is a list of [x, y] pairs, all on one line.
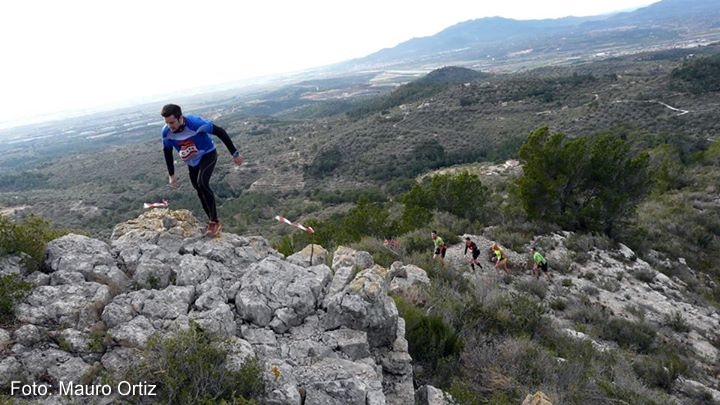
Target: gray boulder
{"points": [[338, 381], [68, 306], [311, 255], [364, 305], [405, 277], [279, 294], [347, 257], [91, 257]]}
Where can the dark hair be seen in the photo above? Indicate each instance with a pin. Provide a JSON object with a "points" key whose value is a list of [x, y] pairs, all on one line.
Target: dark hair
{"points": [[171, 109], [467, 238], [434, 232]]}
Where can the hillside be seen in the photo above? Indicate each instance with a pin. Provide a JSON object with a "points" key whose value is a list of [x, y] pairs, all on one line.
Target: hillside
{"points": [[419, 126], [541, 152], [231, 318]]}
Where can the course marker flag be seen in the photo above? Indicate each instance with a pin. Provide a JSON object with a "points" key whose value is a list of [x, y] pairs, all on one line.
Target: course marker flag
{"points": [[307, 229], [161, 204]]}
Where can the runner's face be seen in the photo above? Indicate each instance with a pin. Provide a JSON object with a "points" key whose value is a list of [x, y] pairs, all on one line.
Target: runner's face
{"points": [[175, 124]]}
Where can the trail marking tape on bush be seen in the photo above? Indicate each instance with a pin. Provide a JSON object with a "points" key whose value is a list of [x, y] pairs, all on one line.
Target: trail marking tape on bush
{"points": [[307, 229], [161, 204]]}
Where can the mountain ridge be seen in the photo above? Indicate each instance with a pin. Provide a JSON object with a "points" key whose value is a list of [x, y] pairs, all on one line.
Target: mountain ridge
{"points": [[474, 43]]}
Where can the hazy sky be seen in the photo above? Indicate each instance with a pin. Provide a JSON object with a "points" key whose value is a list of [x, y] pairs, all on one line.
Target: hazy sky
{"points": [[70, 54]]}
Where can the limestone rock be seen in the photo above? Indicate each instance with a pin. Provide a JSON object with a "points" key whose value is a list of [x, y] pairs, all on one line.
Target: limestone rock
{"points": [[429, 395], [539, 398], [302, 258]]}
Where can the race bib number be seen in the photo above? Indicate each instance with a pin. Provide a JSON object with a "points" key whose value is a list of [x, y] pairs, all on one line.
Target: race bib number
{"points": [[188, 150]]}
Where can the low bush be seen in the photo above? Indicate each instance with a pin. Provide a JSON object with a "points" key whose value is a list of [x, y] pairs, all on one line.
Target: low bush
{"points": [[646, 276], [677, 322], [12, 290], [27, 239], [535, 287], [587, 315], [512, 314], [640, 337], [590, 290], [660, 370], [609, 284], [558, 304], [431, 343], [382, 255], [418, 241], [190, 367], [585, 242]]}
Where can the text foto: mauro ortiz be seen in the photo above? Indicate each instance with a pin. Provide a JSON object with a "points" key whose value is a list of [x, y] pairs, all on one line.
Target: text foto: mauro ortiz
{"points": [[122, 388]]}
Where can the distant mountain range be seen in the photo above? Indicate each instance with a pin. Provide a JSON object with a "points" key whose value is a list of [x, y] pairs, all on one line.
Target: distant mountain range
{"points": [[501, 45], [497, 43]]}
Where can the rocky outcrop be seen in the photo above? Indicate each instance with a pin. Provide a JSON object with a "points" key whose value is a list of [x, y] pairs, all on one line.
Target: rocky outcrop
{"points": [[323, 335], [538, 398], [429, 395]]}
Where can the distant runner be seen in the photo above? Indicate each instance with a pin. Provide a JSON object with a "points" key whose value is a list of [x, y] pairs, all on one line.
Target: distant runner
{"points": [[539, 263], [501, 260], [440, 247], [469, 244]]}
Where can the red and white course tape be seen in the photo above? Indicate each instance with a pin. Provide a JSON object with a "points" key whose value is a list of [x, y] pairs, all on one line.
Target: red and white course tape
{"points": [[296, 225], [161, 204]]}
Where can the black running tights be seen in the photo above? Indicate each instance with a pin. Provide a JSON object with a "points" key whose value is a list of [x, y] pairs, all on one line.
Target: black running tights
{"points": [[200, 179]]}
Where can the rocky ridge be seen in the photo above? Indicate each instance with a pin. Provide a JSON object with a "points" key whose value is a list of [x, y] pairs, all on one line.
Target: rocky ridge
{"points": [[322, 334]]}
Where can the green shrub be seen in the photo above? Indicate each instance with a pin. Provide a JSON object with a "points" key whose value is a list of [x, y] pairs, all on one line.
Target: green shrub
{"points": [[646, 276], [97, 338], [431, 341], [585, 242], [587, 314], [534, 287], [580, 257], [639, 337], [590, 184], [381, 254], [677, 323], [418, 241], [285, 246], [189, 367], [513, 314], [27, 238], [558, 304], [515, 233], [444, 193], [590, 290], [12, 290], [609, 284], [636, 310], [660, 370], [463, 394]]}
